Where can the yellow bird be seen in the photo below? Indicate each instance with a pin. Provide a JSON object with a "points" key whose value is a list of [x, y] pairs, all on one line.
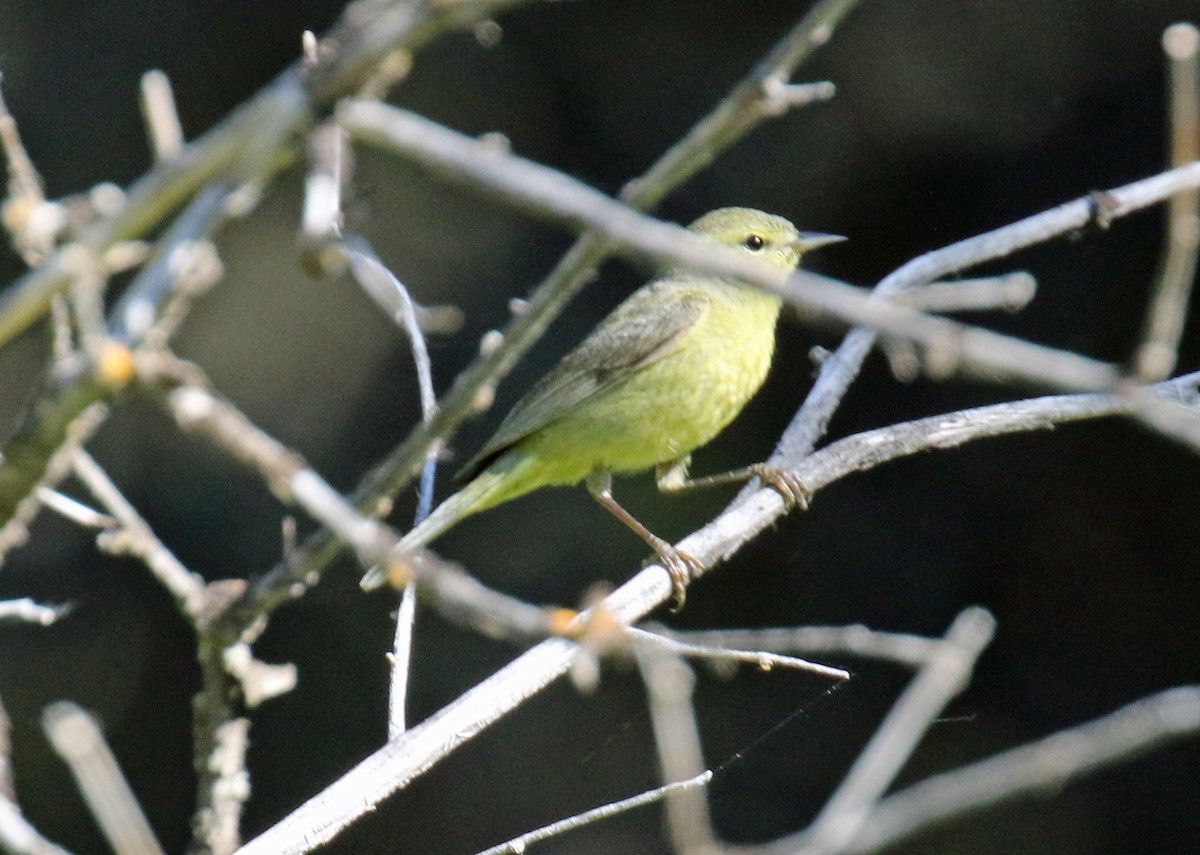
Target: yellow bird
{"points": [[658, 378]]}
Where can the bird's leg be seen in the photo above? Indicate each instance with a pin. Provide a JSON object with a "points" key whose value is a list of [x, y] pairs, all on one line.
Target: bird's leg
{"points": [[678, 564], [671, 477]]}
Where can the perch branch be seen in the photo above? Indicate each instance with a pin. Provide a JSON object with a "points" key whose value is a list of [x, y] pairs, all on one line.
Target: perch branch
{"points": [[78, 740], [1156, 357], [401, 761]]}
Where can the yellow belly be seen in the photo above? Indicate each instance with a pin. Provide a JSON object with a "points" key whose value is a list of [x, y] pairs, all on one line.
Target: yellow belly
{"points": [[672, 406]]}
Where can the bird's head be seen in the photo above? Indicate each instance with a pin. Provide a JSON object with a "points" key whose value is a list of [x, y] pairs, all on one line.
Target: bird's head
{"points": [[766, 236]]}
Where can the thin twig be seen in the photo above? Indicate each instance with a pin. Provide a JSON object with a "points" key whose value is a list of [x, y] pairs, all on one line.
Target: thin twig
{"points": [[750, 102], [1010, 292], [173, 269], [162, 119], [75, 390], [33, 222], [519, 845], [390, 293], [838, 371], [220, 817], [856, 640], [17, 834], [29, 611], [8, 790], [19, 837], [76, 737], [196, 409], [1156, 357], [763, 659], [73, 510]]}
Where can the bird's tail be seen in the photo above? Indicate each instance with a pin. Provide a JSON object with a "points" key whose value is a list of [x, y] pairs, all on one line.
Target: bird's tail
{"points": [[488, 488]]}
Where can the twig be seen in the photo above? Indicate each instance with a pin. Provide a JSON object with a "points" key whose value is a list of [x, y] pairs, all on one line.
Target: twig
{"points": [[519, 845], [856, 640], [18, 837], [670, 684], [1156, 357], [389, 291], [73, 510], [28, 611], [1039, 768], [838, 371], [78, 740], [744, 519], [1010, 292], [329, 167], [726, 654], [17, 834], [219, 817], [174, 269], [8, 790], [399, 762], [33, 223], [936, 683], [40, 453], [162, 119]]}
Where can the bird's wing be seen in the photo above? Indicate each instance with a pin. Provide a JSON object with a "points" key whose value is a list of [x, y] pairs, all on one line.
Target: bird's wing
{"points": [[638, 333]]}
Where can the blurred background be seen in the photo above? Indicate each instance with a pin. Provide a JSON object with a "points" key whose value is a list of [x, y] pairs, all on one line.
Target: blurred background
{"points": [[952, 117]]}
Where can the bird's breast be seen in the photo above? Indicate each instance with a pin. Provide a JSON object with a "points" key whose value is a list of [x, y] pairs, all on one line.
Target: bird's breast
{"points": [[687, 396]]}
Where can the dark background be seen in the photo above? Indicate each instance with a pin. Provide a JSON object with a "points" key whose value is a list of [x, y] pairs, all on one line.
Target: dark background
{"points": [[952, 117]]}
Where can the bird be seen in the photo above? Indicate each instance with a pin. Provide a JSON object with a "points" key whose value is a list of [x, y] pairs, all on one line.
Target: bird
{"points": [[659, 377]]}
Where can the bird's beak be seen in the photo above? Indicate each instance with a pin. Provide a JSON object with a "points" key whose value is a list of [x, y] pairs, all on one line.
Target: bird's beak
{"points": [[806, 241]]}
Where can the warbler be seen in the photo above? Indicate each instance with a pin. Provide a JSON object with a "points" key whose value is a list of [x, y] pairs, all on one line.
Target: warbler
{"points": [[662, 375]]}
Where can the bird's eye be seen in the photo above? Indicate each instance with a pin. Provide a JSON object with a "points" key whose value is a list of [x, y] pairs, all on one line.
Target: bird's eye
{"points": [[754, 243]]}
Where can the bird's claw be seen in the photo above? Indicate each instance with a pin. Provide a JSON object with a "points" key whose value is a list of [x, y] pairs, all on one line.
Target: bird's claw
{"points": [[681, 567], [796, 494]]}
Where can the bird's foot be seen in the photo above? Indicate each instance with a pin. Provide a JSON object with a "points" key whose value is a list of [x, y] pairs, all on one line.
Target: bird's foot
{"points": [[796, 494], [680, 566]]}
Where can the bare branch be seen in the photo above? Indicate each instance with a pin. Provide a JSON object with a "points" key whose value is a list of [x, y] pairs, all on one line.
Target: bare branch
{"points": [[28, 611], [161, 117], [78, 740], [763, 659], [856, 640], [220, 820], [18, 837], [519, 845], [1156, 357], [1011, 292], [399, 762]]}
